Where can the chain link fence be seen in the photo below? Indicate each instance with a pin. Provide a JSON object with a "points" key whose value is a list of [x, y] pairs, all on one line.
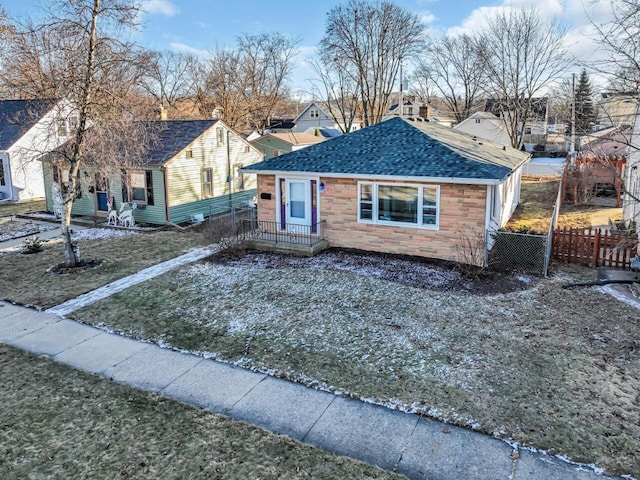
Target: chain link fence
{"points": [[518, 252]]}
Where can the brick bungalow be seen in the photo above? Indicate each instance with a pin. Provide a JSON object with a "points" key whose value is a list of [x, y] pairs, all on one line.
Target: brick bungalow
{"points": [[401, 186]]}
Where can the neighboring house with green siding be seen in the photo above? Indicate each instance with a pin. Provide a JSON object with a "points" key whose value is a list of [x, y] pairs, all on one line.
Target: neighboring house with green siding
{"points": [[193, 167], [276, 144]]}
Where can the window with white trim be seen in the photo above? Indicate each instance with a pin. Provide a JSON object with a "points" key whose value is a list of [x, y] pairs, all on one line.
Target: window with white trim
{"points": [[3, 181], [314, 113], [404, 204]]}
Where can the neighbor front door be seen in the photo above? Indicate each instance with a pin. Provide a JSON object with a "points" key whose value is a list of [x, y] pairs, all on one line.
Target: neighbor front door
{"points": [[102, 193]]}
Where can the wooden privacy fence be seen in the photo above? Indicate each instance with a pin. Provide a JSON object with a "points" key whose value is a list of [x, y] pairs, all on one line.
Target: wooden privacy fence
{"points": [[594, 246]]}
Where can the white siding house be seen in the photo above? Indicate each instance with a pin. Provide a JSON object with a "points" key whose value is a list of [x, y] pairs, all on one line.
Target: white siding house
{"points": [[28, 130]]}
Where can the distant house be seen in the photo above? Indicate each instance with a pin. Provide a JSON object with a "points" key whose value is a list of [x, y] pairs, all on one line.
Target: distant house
{"points": [[276, 144], [192, 167], [631, 198], [616, 110], [411, 109], [399, 186], [487, 126], [29, 129], [318, 115]]}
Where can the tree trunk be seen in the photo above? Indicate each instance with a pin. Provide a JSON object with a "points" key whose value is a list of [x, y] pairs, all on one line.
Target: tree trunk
{"points": [[70, 258]]}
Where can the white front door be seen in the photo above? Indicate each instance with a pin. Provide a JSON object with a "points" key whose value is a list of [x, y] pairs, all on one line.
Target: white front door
{"points": [[298, 205], [5, 181]]}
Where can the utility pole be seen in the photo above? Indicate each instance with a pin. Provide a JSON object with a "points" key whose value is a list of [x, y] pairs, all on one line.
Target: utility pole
{"points": [[572, 147], [401, 102]]}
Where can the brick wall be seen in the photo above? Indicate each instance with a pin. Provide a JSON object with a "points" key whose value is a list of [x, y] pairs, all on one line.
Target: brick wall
{"points": [[267, 208], [462, 209]]}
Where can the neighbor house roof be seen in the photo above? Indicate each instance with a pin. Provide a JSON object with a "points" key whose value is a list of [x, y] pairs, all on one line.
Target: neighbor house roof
{"points": [[167, 138], [401, 148], [173, 136], [18, 116], [300, 138]]}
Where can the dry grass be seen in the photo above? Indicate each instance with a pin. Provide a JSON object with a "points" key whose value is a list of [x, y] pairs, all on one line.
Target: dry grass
{"points": [[538, 196], [61, 423], [31, 284], [17, 208], [552, 368]]}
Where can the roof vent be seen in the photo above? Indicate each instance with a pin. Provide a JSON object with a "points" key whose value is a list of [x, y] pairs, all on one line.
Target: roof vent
{"points": [[474, 138]]}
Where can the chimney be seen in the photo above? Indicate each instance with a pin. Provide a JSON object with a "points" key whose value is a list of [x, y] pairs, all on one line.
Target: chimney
{"points": [[162, 113]]}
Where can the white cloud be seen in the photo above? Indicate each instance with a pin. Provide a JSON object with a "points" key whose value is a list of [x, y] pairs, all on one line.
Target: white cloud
{"points": [[159, 7], [427, 17], [184, 48]]}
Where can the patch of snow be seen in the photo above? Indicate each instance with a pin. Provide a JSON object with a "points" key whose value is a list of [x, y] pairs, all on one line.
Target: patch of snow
{"points": [[611, 290], [99, 233]]}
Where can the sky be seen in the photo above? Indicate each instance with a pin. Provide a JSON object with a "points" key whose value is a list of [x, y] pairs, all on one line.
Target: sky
{"points": [[195, 26]]}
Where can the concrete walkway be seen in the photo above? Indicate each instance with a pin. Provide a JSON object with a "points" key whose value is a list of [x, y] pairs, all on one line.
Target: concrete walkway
{"points": [[414, 446], [47, 235], [112, 288]]}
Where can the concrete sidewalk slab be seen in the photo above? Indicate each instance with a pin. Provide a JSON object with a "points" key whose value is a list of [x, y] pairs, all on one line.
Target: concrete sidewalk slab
{"points": [[152, 368], [367, 432], [282, 407], [101, 352], [24, 322], [537, 466], [212, 385], [440, 452], [9, 309], [55, 338]]}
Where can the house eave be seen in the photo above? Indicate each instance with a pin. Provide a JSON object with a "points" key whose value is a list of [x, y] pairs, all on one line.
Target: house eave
{"points": [[454, 180]]}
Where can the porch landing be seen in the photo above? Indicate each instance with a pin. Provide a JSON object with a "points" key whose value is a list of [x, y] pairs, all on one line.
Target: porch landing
{"points": [[284, 247]]}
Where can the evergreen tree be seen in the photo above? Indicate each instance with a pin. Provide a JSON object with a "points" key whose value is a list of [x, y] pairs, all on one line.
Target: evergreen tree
{"points": [[585, 113]]}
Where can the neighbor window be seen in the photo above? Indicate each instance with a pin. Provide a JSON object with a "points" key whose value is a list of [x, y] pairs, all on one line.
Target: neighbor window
{"points": [[207, 183], [189, 153], [220, 135], [137, 187], [398, 204], [314, 113], [3, 182], [62, 128], [67, 125]]}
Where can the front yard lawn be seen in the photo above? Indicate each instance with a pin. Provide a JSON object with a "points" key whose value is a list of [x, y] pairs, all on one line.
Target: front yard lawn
{"points": [[551, 368], [58, 422], [17, 208], [27, 281]]}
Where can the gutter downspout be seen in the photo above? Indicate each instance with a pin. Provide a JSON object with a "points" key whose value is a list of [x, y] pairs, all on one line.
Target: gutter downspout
{"points": [[166, 193]]}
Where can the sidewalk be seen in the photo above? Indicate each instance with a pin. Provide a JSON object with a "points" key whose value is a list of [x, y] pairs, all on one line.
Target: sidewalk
{"points": [[414, 446]]}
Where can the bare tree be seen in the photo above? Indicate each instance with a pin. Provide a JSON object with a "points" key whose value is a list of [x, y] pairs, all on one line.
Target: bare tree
{"points": [[523, 54], [620, 39], [339, 88], [166, 77], [372, 39], [247, 82], [79, 55], [454, 66]]}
